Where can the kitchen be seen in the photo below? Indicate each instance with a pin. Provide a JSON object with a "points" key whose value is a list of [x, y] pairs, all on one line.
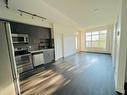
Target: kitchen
{"points": [[33, 48]]}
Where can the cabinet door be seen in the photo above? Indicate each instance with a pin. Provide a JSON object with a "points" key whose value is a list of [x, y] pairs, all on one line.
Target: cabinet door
{"points": [[38, 59], [48, 56]]}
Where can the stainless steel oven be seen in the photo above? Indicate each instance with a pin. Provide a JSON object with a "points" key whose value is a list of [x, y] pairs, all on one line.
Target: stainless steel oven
{"points": [[24, 62], [20, 38]]}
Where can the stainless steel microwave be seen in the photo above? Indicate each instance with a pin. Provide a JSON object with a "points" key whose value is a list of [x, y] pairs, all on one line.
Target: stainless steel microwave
{"points": [[20, 38]]}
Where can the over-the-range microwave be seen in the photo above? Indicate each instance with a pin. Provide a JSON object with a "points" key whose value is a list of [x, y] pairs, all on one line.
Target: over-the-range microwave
{"points": [[20, 38]]}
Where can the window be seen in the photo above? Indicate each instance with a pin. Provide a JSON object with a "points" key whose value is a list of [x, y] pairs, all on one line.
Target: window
{"points": [[96, 39]]}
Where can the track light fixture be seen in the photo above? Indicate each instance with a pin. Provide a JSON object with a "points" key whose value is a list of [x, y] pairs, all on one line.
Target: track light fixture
{"points": [[33, 15], [20, 13], [6, 3]]}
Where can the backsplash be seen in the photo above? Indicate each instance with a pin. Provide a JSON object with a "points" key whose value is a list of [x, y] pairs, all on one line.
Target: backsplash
{"points": [[36, 34]]}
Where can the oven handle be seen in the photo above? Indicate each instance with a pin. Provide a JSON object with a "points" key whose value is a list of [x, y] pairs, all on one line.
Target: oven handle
{"points": [[23, 55]]}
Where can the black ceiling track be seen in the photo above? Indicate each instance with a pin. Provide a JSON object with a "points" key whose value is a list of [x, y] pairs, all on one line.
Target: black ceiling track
{"points": [[32, 14], [6, 2]]}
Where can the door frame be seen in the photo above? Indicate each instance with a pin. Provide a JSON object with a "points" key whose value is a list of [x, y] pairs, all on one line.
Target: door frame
{"points": [[12, 58], [62, 35]]}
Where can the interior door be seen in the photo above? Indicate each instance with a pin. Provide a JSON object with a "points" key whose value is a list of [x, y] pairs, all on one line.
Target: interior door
{"points": [[58, 45]]}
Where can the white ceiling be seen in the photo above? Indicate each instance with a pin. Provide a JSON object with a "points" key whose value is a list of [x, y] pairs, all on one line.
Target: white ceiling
{"points": [[88, 13], [41, 8], [85, 13]]}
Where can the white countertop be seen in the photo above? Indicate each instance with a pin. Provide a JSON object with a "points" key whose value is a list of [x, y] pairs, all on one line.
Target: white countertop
{"points": [[37, 51]]}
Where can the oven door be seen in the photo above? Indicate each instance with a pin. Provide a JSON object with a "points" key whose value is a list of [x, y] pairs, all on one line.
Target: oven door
{"points": [[24, 63]]}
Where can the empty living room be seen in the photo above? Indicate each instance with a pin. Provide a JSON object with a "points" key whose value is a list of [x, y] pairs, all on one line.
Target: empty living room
{"points": [[63, 47]]}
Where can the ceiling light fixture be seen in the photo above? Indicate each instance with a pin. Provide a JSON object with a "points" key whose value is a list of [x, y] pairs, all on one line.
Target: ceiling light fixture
{"points": [[20, 13], [33, 15], [96, 10], [6, 3]]}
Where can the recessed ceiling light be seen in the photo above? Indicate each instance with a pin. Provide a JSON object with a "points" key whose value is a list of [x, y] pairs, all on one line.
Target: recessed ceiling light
{"points": [[96, 10]]}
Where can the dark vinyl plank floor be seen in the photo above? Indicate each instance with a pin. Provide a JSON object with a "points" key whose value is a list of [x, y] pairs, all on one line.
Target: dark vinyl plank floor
{"points": [[80, 74]]}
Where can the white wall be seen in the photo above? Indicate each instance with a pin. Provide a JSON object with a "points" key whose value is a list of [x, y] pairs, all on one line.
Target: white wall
{"points": [[65, 41], [69, 44], [108, 42], [124, 30], [121, 51], [6, 79]]}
